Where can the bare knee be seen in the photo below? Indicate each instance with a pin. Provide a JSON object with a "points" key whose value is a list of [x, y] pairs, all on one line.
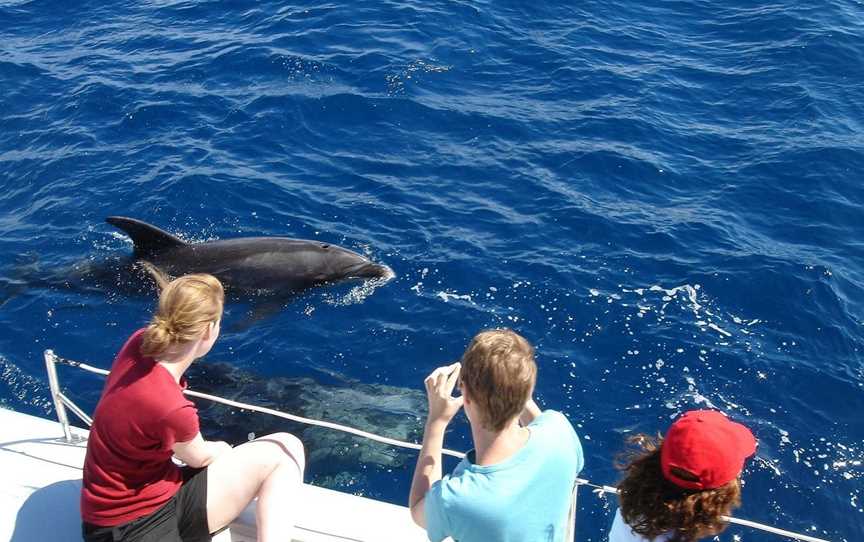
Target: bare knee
{"points": [[290, 449]]}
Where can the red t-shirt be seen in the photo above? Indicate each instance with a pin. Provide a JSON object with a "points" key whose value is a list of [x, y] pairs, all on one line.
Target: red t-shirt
{"points": [[128, 472]]}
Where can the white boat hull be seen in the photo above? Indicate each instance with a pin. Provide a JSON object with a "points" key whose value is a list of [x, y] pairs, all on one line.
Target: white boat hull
{"points": [[42, 482]]}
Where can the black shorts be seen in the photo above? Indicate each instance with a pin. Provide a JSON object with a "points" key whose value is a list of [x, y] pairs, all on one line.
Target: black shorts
{"points": [[181, 519]]}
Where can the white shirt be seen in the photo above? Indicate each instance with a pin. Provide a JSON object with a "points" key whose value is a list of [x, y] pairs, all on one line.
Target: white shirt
{"points": [[621, 532]]}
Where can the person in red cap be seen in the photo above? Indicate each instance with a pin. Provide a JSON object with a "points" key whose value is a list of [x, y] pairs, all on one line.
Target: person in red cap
{"points": [[677, 488]]}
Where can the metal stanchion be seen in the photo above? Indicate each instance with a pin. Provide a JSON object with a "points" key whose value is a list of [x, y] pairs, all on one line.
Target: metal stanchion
{"points": [[56, 396]]}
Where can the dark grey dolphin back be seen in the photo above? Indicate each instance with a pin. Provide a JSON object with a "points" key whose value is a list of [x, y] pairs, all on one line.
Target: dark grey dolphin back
{"points": [[149, 240]]}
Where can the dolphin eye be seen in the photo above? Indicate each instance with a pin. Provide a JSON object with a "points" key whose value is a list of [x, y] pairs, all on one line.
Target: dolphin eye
{"points": [[325, 246]]}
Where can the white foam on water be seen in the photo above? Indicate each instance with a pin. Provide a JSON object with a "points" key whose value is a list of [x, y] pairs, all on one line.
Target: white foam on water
{"points": [[396, 82], [717, 328], [358, 293], [768, 464], [25, 388], [447, 296], [696, 396], [121, 237]]}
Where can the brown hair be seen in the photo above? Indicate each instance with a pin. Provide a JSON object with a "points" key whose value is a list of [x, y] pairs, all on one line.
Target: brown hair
{"points": [[498, 373], [652, 505], [187, 305]]}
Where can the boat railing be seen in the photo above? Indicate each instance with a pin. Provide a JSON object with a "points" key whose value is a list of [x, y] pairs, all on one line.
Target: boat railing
{"points": [[62, 402]]}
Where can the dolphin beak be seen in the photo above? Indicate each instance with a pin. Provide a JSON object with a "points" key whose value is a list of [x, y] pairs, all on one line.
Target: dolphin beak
{"points": [[373, 271], [387, 273]]}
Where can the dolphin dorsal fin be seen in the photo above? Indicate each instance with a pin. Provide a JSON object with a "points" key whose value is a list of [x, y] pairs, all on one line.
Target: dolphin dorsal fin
{"points": [[148, 239]]}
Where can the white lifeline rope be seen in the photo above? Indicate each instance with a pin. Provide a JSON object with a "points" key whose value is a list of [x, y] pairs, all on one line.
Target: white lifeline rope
{"points": [[279, 414], [329, 425], [413, 446]]}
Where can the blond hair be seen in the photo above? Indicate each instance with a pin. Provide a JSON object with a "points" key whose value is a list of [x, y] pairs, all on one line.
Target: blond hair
{"points": [[187, 305], [498, 374]]}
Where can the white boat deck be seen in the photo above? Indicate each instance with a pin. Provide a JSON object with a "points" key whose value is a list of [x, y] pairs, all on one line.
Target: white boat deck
{"points": [[42, 480]]}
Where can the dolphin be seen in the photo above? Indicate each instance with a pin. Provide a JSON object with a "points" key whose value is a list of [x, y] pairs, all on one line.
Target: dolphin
{"points": [[387, 410], [391, 411], [249, 265]]}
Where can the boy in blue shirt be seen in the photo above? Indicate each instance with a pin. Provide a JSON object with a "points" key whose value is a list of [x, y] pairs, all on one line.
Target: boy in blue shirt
{"points": [[516, 484]]}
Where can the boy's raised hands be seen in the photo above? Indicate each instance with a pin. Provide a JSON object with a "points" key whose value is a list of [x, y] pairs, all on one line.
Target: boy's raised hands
{"points": [[439, 391]]}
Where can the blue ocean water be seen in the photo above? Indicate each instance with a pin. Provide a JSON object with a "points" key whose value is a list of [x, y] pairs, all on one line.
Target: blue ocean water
{"points": [[664, 197]]}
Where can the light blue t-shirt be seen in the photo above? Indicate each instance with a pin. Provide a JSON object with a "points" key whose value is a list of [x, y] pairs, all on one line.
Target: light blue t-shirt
{"points": [[525, 498]]}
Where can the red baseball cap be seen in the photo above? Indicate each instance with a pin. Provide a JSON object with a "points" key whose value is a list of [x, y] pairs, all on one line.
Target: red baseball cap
{"points": [[707, 445]]}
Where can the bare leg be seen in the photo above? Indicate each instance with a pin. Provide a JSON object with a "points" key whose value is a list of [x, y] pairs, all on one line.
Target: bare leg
{"points": [[270, 468], [278, 502]]}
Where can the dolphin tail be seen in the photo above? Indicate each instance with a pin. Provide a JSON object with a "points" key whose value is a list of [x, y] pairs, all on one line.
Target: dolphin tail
{"points": [[148, 239], [21, 277], [10, 289]]}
